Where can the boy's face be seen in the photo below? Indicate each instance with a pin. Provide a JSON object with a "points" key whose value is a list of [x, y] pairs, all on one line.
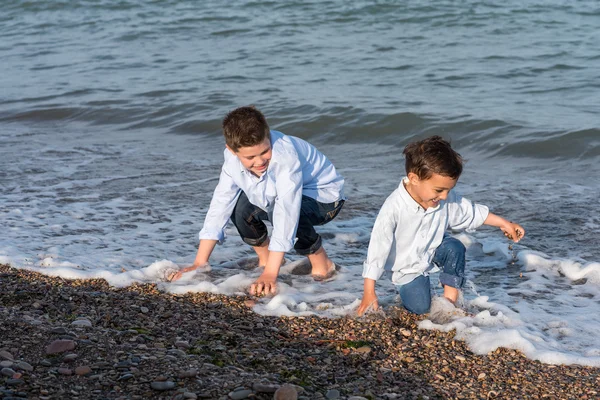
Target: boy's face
{"points": [[255, 158], [429, 192]]}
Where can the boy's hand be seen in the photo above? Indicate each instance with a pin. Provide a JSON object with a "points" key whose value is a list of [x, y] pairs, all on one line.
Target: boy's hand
{"points": [[513, 231], [369, 301], [265, 284], [182, 271]]}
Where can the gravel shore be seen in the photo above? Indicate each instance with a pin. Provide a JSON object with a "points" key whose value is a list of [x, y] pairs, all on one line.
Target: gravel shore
{"points": [[82, 339]]}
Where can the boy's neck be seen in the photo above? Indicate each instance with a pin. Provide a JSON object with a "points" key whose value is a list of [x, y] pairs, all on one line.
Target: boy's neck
{"points": [[408, 188]]}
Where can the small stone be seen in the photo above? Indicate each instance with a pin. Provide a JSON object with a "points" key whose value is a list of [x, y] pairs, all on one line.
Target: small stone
{"points": [[460, 358], [357, 398], [65, 371], [82, 322], [409, 359], [83, 370], [125, 377], [58, 330], [7, 372], [22, 365], [191, 373], [363, 350], [264, 388], [6, 355], [60, 346], [162, 385], [182, 344], [405, 332], [14, 382], [481, 376], [144, 310], [177, 353], [190, 395], [333, 394], [6, 364], [240, 394], [70, 357], [286, 392]]}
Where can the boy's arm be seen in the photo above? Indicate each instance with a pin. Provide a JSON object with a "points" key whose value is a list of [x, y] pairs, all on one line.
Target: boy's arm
{"points": [[220, 209], [511, 230], [380, 245], [369, 299], [221, 206], [286, 213]]}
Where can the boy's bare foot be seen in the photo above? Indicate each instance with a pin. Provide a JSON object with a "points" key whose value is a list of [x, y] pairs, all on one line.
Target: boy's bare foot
{"points": [[329, 273]]}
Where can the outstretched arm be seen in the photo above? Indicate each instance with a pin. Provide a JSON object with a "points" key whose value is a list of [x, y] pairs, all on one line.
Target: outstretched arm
{"points": [[513, 231]]}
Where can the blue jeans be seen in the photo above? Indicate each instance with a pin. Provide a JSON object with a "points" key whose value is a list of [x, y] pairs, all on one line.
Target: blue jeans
{"points": [[450, 258], [248, 219]]}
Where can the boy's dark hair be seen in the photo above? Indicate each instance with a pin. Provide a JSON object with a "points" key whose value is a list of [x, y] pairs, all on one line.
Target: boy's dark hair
{"points": [[245, 127], [432, 156]]}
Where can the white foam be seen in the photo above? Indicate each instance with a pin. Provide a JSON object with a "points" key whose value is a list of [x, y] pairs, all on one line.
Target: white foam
{"points": [[89, 215]]}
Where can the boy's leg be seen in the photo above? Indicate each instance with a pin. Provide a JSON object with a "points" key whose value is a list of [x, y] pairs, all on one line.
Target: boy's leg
{"points": [[248, 219], [450, 258], [309, 242], [416, 295]]}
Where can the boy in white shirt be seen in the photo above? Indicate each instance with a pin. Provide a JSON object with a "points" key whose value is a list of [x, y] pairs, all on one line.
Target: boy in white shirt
{"points": [[271, 176], [410, 232]]}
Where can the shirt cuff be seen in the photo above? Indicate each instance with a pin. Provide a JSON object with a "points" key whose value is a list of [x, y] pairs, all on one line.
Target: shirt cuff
{"points": [[280, 245], [212, 234], [372, 272]]}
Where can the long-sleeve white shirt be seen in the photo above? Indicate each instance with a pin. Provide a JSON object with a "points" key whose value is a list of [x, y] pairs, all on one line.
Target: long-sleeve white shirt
{"points": [[405, 236], [296, 168]]}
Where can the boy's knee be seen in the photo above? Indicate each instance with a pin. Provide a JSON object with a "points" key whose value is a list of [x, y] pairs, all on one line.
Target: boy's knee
{"points": [[454, 245]]}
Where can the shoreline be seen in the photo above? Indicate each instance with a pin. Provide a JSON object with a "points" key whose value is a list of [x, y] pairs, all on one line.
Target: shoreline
{"points": [[139, 343]]}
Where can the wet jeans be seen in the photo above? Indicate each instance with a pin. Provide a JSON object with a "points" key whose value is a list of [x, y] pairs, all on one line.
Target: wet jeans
{"points": [[248, 219], [450, 258]]}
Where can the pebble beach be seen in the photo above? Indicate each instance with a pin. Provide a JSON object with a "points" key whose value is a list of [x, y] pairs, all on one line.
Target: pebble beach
{"points": [[83, 339]]}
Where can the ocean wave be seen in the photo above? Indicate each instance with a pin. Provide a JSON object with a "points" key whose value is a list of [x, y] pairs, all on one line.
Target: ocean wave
{"points": [[334, 125]]}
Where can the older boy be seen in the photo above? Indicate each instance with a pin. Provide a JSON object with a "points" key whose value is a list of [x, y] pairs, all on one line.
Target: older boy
{"points": [[411, 228], [270, 176]]}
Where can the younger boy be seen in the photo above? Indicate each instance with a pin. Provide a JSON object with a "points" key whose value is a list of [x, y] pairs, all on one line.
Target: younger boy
{"points": [[271, 176], [411, 228]]}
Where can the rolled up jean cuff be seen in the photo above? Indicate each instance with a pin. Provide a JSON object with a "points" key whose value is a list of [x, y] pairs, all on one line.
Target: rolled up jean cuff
{"points": [[312, 249], [256, 242], [454, 281]]}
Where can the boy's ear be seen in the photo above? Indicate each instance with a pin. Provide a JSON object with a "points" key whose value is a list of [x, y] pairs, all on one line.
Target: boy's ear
{"points": [[413, 178]]}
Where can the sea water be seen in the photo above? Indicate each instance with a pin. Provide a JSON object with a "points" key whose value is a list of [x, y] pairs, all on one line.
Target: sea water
{"points": [[110, 145]]}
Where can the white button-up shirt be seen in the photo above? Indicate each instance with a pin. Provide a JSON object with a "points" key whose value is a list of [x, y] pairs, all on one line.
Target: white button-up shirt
{"points": [[405, 236], [296, 168]]}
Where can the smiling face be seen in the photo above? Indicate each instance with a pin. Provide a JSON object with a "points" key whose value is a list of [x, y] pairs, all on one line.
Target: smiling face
{"points": [[255, 158], [429, 192]]}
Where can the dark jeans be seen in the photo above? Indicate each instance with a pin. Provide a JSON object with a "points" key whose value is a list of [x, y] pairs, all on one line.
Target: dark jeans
{"points": [[450, 258], [248, 219]]}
